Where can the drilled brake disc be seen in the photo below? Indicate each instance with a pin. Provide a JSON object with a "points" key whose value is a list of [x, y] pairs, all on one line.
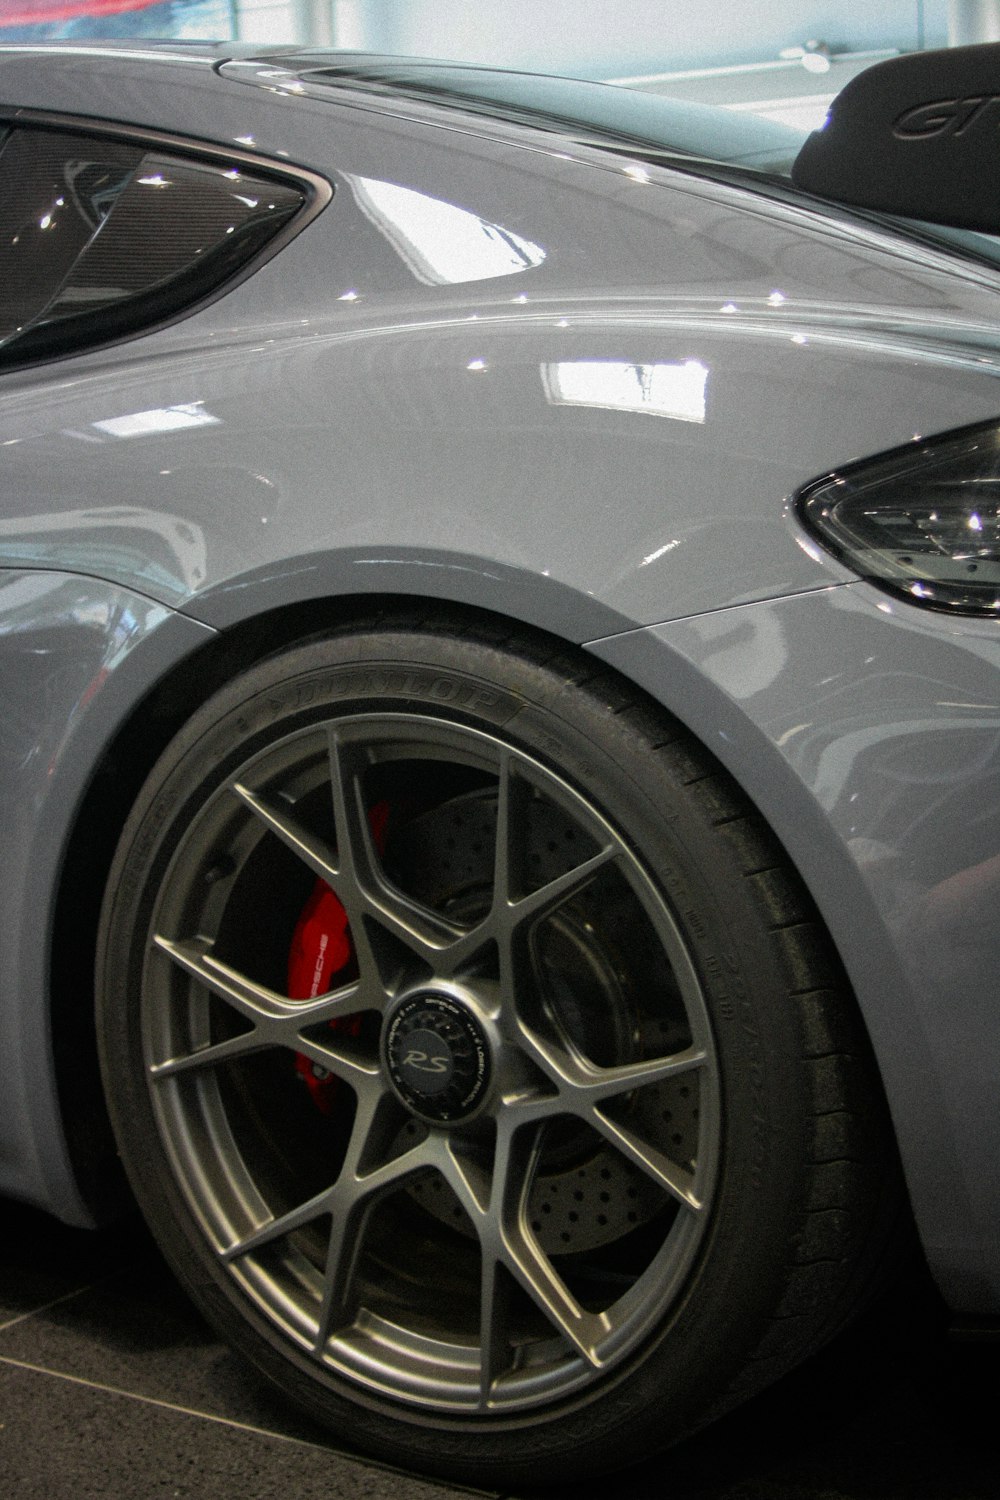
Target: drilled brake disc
{"points": [[586, 1193]]}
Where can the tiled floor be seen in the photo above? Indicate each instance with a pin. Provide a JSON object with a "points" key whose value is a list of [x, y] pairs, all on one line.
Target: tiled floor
{"points": [[112, 1387]]}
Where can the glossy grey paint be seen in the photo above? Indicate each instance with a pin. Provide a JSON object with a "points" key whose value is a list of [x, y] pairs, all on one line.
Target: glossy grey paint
{"points": [[869, 730], [429, 438], [67, 677], [414, 428]]}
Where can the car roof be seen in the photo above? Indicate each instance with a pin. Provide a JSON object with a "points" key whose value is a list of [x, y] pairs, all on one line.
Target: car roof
{"points": [[602, 112]]}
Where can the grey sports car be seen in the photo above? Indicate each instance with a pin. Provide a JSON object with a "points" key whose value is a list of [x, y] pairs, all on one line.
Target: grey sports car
{"points": [[500, 727]]}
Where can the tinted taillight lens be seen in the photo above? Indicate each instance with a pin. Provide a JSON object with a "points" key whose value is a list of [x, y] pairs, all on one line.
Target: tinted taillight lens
{"points": [[99, 238], [922, 522]]}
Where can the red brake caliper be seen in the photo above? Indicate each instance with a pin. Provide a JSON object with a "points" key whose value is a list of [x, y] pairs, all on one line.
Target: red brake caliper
{"points": [[321, 949]]}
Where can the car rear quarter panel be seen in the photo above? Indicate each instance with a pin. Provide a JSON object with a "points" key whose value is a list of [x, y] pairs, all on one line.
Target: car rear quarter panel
{"points": [[869, 732], [612, 424], [602, 443]]}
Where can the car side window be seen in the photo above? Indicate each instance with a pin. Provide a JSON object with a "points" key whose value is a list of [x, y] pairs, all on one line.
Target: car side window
{"points": [[102, 237]]}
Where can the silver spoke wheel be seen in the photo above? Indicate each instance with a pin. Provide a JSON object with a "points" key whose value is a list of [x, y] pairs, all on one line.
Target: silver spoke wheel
{"points": [[502, 1186]]}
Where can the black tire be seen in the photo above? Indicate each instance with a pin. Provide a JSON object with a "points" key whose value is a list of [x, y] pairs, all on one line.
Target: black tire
{"points": [[655, 1173]]}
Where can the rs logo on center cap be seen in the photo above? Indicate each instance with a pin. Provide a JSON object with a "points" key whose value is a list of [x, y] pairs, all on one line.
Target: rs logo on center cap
{"points": [[420, 1060], [437, 1056]]}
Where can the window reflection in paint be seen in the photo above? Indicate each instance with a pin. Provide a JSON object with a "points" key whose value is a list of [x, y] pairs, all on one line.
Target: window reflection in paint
{"points": [[677, 391], [161, 419], [442, 244]]}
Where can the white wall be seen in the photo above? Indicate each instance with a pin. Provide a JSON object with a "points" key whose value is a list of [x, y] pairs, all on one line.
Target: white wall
{"points": [[602, 38], [266, 20]]}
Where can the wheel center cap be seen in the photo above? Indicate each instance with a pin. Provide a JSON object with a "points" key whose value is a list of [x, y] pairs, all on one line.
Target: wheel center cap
{"points": [[438, 1057]]}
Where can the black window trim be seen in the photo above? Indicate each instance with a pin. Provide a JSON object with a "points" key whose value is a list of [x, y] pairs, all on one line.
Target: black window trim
{"points": [[317, 189]]}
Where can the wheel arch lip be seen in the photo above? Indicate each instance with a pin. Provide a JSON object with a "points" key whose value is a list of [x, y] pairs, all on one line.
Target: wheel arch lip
{"points": [[359, 577], [883, 884], [77, 655]]}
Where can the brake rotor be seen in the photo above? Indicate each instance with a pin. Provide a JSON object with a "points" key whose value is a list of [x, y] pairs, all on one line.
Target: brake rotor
{"points": [[586, 1194]]}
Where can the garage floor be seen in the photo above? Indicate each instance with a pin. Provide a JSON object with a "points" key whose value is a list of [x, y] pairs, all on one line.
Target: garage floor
{"points": [[112, 1387]]}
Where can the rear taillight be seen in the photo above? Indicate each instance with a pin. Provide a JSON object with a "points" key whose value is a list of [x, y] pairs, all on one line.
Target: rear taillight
{"points": [[922, 521]]}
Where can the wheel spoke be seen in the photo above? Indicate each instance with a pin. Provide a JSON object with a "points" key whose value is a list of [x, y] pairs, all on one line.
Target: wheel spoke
{"points": [[370, 900], [481, 1192], [494, 1327], [352, 1067], [313, 851], [359, 1187], [581, 1088], [254, 1002], [549, 897], [365, 1177], [675, 1179], [509, 831], [275, 1229], [512, 906], [352, 871], [581, 1085], [356, 853], [276, 1020], [521, 1254], [211, 1056], [584, 1331], [497, 1204], [471, 1183]]}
